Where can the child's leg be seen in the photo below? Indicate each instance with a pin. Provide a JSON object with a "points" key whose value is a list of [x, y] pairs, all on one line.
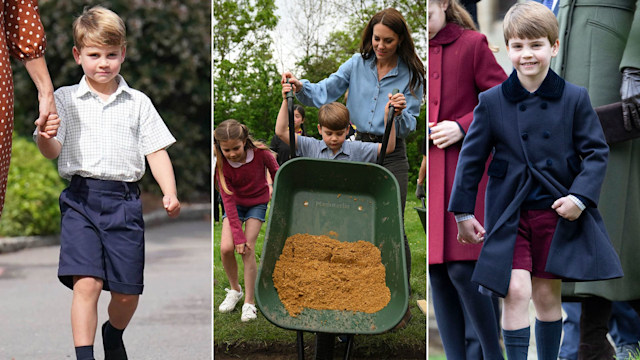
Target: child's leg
{"points": [[227, 253], [121, 309], [515, 315], [251, 230], [84, 309], [548, 304]]}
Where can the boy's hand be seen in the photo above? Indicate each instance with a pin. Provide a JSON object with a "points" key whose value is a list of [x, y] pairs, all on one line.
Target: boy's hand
{"points": [[171, 205], [297, 84], [48, 128], [286, 87], [470, 232], [242, 248], [566, 208], [445, 133]]}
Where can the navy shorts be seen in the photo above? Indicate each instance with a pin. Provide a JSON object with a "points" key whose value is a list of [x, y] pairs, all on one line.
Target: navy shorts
{"points": [[254, 212], [102, 234]]}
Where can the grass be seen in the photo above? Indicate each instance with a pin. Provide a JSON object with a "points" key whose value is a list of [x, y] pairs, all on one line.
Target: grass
{"points": [[230, 334]]}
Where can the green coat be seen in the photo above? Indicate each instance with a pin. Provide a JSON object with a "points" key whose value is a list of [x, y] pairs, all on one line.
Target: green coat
{"points": [[597, 40]]}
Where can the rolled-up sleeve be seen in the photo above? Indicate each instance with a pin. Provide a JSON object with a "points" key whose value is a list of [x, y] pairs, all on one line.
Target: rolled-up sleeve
{"points": [[23, 30]]}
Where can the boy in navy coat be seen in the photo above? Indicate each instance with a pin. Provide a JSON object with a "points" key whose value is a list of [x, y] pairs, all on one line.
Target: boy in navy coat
{"points": [[549, 157]]}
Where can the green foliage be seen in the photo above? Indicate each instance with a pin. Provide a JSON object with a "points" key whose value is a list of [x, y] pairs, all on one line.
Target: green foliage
{"points": [[31, 203], [247, 83], [168, 58]]}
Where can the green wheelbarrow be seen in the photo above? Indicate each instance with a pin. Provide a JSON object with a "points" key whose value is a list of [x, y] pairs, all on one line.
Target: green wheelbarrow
{"points": [[358, 201]]}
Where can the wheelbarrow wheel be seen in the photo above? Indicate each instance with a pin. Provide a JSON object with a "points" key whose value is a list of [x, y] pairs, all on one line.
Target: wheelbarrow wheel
{"points": [[324, 346]]}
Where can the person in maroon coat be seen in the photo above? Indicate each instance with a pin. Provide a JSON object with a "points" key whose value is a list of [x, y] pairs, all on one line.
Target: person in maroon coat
{"points": [[461, 65]]}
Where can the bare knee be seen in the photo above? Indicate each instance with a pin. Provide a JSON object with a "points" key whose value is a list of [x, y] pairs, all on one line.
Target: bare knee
{"points": [[227, 250], [519, 292], [124, 299], [87, 286]]}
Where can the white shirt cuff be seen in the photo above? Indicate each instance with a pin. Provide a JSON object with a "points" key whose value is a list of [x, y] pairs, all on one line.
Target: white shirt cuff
{"points": [[463, 217], [577, 201]]}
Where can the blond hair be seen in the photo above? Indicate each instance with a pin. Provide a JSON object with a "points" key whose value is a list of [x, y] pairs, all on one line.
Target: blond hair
{"points": [[530, 20], [232, 130], [99, 26], [334, 116]]}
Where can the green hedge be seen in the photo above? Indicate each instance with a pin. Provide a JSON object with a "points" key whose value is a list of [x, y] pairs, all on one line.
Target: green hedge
{"points": [[31, 203]]}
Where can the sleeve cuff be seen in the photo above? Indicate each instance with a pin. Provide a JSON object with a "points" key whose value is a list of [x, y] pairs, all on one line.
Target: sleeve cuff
{"points": [[579, 203], [463, 217]]}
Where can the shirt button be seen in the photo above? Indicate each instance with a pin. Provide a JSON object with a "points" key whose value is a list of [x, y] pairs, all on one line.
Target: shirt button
{"points": [[523, 107], [549, 162], [525, 136], [543, 106], [546, 134]]}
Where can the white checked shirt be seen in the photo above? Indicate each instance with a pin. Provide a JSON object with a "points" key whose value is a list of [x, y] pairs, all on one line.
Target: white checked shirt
{"points": [[107, 140]]}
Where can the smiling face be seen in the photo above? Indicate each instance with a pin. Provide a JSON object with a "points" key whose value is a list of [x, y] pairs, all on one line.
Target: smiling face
{"points": [[531, 58], [297, 119], [384, 41], [101, 65], [333, 138], [233, 150]]}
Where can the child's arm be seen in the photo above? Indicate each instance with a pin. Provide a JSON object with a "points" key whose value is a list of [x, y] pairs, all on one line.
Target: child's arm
{"points": [[399, 103], [282, 123], [567, 208], [162, 170], [49, 146], [470, 231]]}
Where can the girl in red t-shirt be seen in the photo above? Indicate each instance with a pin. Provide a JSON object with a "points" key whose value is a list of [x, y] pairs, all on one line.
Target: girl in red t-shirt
{"points": [[241, 171]]}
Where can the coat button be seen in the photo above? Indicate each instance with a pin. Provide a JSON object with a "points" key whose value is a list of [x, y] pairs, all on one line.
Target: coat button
{"points": [[436, 50], [549, 162], [523, 107], [436, 76], [543, 106], [525, 136], [546, 134]]}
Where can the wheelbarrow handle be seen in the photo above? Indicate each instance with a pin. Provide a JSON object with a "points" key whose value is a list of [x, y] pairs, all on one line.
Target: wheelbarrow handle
{"points": [[292, 130], [387, 131]]}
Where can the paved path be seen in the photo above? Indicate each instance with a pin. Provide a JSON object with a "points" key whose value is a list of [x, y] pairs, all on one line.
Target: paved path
{"points": [[173, 320]]}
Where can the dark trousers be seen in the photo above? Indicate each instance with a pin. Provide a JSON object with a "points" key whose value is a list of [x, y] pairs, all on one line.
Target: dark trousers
{"points": [[465, 317]]}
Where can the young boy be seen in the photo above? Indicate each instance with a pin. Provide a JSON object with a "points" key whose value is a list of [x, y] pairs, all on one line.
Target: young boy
{"points": [[106, 129], [548, 162], [333, 125]]}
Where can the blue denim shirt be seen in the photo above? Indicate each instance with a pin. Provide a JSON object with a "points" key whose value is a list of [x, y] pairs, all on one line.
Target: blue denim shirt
{"points": [[367, 96]]}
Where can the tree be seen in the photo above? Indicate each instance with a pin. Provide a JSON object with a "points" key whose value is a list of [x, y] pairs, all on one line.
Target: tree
{"points": [[168, 58], [246, 81]]}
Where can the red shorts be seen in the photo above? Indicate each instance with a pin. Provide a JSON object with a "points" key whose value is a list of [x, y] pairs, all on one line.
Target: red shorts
{"points": [[535, 231]]}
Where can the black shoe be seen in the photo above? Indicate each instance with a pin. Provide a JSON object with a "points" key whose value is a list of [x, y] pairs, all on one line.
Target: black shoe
{"points": [[118, 353]]}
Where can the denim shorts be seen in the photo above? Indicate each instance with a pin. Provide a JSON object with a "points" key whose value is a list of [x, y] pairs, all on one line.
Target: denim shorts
{"points": [[254, 212]]}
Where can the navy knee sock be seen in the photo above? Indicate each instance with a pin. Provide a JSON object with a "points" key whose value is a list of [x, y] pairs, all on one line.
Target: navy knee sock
{"points": [[84, 352], [548, 335], [112, 337], [516, 343]]}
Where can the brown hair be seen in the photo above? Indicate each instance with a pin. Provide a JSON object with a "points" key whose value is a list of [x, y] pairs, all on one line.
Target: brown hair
{"points": [[232, 130], [406, 49], [334, 116], [530, 20], [457, 14], [99, 26]]}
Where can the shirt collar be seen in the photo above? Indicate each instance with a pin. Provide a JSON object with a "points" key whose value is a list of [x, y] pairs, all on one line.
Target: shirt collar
{"points": [[551, 88], [83, 87], [249, 158], [343, 150], [448, 34]]}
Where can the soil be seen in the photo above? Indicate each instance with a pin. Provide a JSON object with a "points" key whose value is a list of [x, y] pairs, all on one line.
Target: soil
{"points": [[318, 272]]}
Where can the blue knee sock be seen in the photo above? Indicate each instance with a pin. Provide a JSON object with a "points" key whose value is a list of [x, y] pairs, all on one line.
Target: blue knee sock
{"points": [[548, 335], [84, 352], [516, 343]]}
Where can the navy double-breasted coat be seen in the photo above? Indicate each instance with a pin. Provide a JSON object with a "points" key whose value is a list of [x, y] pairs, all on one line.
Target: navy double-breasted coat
{"points": [[552, 137]]}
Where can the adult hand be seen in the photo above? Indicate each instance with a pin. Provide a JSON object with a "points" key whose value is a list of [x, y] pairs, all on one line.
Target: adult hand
{"points": [[297, 84], [566, 208], [49, 128], [470, 231], [630, 95], [171, 205], [445, 133], [398, 102]]}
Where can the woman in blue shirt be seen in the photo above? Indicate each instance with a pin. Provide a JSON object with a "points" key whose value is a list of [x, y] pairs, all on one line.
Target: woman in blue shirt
{"points": [[387, 61]]}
